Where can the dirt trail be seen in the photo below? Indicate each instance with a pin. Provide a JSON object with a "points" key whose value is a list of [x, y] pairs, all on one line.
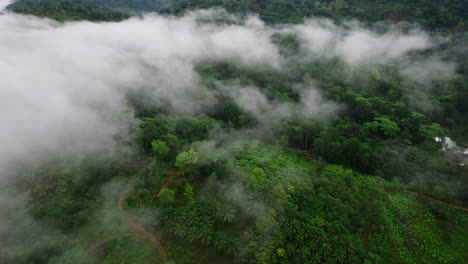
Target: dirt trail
{"points": [[164, 186], [137, 226], [428, 197]]}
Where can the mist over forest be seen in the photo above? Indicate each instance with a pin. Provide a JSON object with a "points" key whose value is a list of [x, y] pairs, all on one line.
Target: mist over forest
{"points": [[233, 131]]}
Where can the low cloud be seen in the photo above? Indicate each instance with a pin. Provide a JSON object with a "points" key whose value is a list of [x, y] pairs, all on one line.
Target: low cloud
{"points": [[420, 76], [311, 103], [4, 4], [64, 85], [356, 44]]}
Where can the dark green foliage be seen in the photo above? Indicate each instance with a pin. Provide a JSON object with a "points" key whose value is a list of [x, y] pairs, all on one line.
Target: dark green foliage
{"points": [[174, 131], [135, 5], [139, 5], [68, 11], [196, 222], [167, 196], [298, 197], [63, 197], [379, 116], [430, 13]]}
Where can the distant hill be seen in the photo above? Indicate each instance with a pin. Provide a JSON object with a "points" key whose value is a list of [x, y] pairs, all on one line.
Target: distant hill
{"points": [[134, 5], [67, 11], [430, 13]]}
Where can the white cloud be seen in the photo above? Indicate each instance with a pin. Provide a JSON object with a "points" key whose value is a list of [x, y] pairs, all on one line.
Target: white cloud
{"points": [[356, 44], [4, 4], [63, 85], [311, 103]]}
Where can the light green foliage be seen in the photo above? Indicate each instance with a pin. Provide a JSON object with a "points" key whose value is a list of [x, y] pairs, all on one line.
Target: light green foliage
{"points": [[258, 178], [186, 161], [420, 232], [282, 163], [376, 75], [188, 191], [167, 195], [429, 132], [280, 252], [381, 126], [160, 149]]}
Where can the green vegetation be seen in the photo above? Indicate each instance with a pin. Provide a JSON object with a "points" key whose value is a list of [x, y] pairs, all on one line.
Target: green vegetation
{"points": [[430, 13], [67, 11], [134, 5], [269, 204], [306, 190]]}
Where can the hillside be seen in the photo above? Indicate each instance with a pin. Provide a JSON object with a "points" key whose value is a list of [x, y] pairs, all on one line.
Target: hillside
{"points": [[432, 14], [271, 131], [134, 5]]}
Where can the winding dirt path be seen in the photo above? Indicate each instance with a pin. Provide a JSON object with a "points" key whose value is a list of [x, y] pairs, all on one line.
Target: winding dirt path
{"points": [[164, 186], [428, 197], [141, 229]]}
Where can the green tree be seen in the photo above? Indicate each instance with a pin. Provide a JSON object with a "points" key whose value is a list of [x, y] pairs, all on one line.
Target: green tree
{"points": [[226, 214], [67, 11], [258, 178], [187, 161], [160, 149], [167, 195], [188, 191], [381, 127], [429, 132]]}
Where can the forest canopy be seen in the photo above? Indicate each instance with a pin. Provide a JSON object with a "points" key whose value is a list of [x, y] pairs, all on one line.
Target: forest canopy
{"points": [[270, 131], [432, 14], [66, 11]]}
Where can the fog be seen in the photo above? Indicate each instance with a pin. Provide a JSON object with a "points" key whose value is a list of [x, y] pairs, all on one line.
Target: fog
{"points": [[311, 103], [3, 4], [63, 86], [356, 44]]}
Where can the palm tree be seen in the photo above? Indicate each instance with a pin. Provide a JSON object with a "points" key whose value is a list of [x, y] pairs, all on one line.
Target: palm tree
{"points": [[228, 245], [339, 254], [206, 235], [231, 247], [180, 229], [193, 234], [226, 214]]}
